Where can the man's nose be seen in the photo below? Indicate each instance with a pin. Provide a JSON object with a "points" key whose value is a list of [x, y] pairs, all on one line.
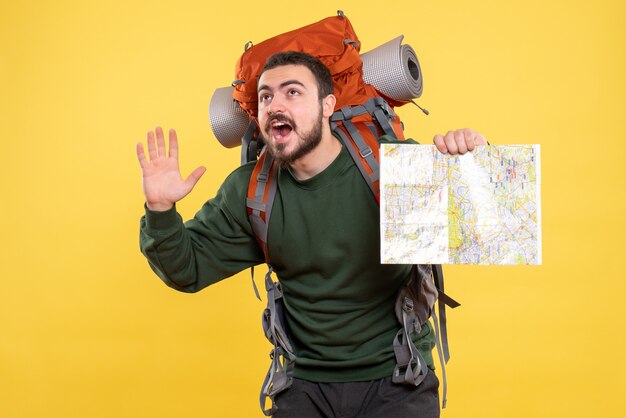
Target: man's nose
{"points": [[276, 105]]}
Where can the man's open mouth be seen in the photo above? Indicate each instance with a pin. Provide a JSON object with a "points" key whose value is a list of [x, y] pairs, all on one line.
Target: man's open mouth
{"points": [[280, 128]]}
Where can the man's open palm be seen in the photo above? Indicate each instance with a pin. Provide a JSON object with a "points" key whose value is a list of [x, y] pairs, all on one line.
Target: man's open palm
{"points": [[163, 184]]}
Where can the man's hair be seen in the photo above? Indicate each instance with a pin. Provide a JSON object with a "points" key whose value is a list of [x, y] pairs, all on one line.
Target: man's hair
{"points": [[320, 71]]}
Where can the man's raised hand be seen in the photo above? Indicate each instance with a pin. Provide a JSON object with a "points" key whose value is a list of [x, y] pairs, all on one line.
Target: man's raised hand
{"points": [[163, 184]]}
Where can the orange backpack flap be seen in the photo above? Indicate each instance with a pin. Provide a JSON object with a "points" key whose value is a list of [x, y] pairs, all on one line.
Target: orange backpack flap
{"points": [[331, 40]]}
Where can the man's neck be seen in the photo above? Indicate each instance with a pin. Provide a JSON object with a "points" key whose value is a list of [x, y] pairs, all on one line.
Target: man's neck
{"points": [[318, 159]]}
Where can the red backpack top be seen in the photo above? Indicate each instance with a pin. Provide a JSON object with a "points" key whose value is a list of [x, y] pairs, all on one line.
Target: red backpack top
{"points": [[331, 40]]}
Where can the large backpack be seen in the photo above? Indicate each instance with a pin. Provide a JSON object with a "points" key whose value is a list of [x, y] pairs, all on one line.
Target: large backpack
{"points": [[362, 114]]}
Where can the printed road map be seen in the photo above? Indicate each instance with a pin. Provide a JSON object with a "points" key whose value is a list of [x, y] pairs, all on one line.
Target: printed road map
{"points": [[483, 207]]}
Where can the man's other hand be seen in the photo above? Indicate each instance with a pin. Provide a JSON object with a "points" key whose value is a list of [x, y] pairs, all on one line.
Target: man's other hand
{"points": [[163, 184]]}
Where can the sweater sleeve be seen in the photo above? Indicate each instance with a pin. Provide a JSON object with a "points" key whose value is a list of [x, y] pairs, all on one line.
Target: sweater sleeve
{"points": [[217, 243]]}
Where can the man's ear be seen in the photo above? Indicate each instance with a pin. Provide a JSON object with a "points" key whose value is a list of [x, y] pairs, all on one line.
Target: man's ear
{"points": [[328, 105]]}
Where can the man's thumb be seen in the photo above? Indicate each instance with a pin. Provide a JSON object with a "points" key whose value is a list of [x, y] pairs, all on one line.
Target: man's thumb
{"points": [[195, 176]]}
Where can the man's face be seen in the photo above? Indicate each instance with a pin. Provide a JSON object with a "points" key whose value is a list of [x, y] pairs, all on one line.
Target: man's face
{"points": [[290, 112]]}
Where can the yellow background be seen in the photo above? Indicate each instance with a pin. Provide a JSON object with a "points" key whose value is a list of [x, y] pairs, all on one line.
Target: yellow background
{"points": [[87, 330]]}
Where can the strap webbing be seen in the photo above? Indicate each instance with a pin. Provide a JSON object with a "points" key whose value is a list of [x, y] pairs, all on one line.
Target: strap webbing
{"points": [[443, 301], [353, 153], [410, 366], [358, 147], [379, 109], [442, 361], [275, 328], [249, 144], [365, 151], [279, 374], [441, 327], [256, 289], [260, 205]]}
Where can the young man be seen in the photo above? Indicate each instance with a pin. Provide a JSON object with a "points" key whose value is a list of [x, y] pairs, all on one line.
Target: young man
{"points": [[323, 244]]}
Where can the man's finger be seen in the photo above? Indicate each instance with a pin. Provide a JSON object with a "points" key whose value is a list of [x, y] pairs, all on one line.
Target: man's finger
{"points": [[451, 143], [479, 139], [469, 139], [152, 152], [160, 140], [469, 142], [440, 144], [459, 138], [141, 155], [173, 144]]}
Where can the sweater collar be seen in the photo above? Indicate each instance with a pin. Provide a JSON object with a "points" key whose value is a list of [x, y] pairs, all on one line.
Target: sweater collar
{"points": [[325, 177]]}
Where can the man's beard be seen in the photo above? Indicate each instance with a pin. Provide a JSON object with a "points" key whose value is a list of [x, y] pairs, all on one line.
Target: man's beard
{"points": [[307, 141]]}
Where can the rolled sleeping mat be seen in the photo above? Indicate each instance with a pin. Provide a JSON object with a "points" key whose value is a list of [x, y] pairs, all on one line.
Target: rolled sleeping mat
{"points": [[228, 121], [394, 70]]}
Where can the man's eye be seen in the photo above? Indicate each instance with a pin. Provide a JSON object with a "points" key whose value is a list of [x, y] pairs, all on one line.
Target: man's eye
{"points": [[293, 92], [264, 97]]}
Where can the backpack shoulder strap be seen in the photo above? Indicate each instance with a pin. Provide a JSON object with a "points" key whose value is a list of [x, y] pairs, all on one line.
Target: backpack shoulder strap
{"points": [[359, 128], [261, 193]]}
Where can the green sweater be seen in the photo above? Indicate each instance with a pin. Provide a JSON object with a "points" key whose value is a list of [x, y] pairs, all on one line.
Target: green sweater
{"points": [[324, 246]]}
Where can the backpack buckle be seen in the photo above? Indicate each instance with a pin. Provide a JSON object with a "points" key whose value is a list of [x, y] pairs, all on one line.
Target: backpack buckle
{"points": [[365, 152], [407, 306], [406, 373]]}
